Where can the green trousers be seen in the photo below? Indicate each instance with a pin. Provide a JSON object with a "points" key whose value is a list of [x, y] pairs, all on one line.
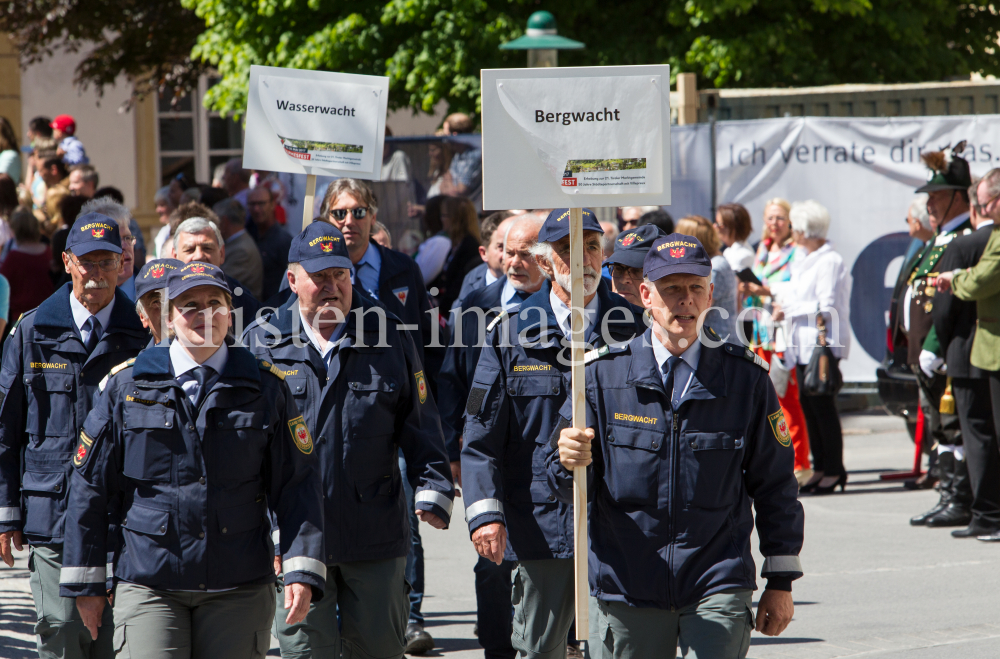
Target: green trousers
{"points": [[374, 607], [717, 627], [169, 624], [59, 632], [542, 595]]}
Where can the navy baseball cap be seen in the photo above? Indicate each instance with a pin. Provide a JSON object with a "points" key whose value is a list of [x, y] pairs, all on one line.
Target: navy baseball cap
{"points": [[556, 225], [632, 246], [195, 274], [676, 254], [93, 232], [154, 274], [319, 246]]}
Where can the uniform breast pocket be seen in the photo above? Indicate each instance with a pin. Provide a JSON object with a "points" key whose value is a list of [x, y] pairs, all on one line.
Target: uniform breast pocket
{"points": [[711, 468], [534, 399], [632, 469], [239, 441], [50, 404], [299, 386], [151, 441], [371, 405]]}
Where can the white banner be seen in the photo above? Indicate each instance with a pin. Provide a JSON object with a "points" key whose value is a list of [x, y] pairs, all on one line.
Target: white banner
{"points": [[865, 172], [576, 136], [315, 122], [595, 135]]}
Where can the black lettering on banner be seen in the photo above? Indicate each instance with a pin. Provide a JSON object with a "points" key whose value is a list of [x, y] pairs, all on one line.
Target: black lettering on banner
{"points": [[315, 109], [567, 118]]}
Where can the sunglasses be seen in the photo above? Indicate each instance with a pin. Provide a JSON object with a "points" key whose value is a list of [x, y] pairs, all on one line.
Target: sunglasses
{"points": [[341, 213]]}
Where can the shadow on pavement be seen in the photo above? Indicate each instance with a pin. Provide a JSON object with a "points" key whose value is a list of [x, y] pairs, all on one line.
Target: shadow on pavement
{"points": [[772, 640]]}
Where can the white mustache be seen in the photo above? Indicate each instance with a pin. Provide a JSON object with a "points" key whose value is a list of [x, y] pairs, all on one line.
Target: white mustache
{"points": [[92, 284]]}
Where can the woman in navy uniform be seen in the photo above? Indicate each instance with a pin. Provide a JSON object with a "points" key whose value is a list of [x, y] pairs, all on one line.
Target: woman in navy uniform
{"points": [[194, 442]]}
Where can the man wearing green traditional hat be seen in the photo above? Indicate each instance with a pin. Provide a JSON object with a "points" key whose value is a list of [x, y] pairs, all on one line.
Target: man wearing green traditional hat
{"points": [[948, 208]]}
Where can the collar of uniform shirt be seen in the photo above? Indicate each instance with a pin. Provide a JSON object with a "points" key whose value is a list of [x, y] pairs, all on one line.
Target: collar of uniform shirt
{"points": [[235, 236], [368, 276], [338, 332], [689, 357], [562, 314], [507, 300], [182, 362], [984, 222], [489, 278], [81, 314], [954, 222]]}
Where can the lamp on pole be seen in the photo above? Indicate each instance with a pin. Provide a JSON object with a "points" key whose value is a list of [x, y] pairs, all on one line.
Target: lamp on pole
{"points": [[542, 41]]}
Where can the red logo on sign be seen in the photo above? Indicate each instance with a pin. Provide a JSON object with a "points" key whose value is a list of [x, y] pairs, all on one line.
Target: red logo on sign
{"points": [[327, 247], [676, 252], [199, 269], [569, 182], [97, 233], [156, 271]]}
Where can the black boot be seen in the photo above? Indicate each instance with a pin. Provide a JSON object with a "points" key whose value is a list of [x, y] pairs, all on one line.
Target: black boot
{"points": [[946, 472], [959, 511]]}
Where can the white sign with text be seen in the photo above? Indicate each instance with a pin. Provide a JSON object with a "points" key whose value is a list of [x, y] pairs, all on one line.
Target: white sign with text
{"points": [[315, 122], [590, 136]]}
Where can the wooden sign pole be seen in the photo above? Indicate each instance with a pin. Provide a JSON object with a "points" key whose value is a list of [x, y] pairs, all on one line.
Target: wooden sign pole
{"points": [[577, 388], [309, 201]]}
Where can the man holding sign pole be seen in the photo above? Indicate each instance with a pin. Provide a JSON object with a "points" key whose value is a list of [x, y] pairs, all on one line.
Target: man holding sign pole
{"points": [[684, 434], [517, 403]]}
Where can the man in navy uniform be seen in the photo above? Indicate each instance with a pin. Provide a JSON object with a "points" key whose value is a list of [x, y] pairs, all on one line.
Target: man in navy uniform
{"points": [[521, 279], [683, 437], [149, 303], [53, 361], [512, 423], [359, 383]]}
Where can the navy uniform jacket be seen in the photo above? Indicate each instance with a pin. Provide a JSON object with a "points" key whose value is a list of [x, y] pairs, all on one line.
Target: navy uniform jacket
{"points": [[513, 422], [48, 384], [670, 517], [194, 485], [474, 280], [460, 361], [244, 304], [376, 402]]}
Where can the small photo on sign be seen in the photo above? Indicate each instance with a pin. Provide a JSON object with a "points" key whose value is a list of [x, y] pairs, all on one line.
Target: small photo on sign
{"points": [[597, 176], [323, 152]]}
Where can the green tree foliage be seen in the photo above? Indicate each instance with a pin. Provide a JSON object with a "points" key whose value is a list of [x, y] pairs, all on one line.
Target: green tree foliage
{"points": [[434, 49], [149, 41]]}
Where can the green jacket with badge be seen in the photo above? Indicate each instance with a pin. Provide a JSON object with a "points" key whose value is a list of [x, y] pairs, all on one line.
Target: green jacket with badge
{"points": [[982, 285]]}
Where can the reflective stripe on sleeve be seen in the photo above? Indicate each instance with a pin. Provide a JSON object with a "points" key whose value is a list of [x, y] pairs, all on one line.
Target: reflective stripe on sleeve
{"points": [[111, 570], [435, 497], [483, 507], [304, 564], [70, 575], [781, 564], [276, 537], [11, 514]]}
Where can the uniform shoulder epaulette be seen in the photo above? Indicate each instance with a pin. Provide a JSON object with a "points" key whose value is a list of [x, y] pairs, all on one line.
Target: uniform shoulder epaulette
{"points": [[496, 321], [115, 371], [268, 366], [16, 323], [592, 355], [747, 354]]}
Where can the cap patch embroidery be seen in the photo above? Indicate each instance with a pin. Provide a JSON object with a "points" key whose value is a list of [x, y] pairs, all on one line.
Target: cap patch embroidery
{"points": [[300, 434], [629, 239], [157, 271], [780, 428], [327, 247], [97, 233], [676, 252]]}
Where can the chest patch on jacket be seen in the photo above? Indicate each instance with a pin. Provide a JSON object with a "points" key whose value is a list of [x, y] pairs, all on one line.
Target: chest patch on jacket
{"points": [[780, 428], [300, 435], [421, 386]]}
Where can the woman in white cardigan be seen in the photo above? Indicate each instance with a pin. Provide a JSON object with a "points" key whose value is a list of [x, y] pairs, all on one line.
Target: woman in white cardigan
{"points": [[820, 287]]}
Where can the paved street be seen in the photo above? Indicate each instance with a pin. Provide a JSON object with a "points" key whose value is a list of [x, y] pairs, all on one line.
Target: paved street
{"points": [[874, 586]]}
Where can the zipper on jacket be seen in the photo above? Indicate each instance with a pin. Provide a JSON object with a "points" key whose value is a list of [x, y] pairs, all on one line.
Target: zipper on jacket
{"points": [[672, 528]]}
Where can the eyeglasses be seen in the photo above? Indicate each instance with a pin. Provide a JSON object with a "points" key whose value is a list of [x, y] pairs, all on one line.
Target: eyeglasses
{"points": [[988, 202], [107, 265], [131, 240], [341, 213], [624, 273]]}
